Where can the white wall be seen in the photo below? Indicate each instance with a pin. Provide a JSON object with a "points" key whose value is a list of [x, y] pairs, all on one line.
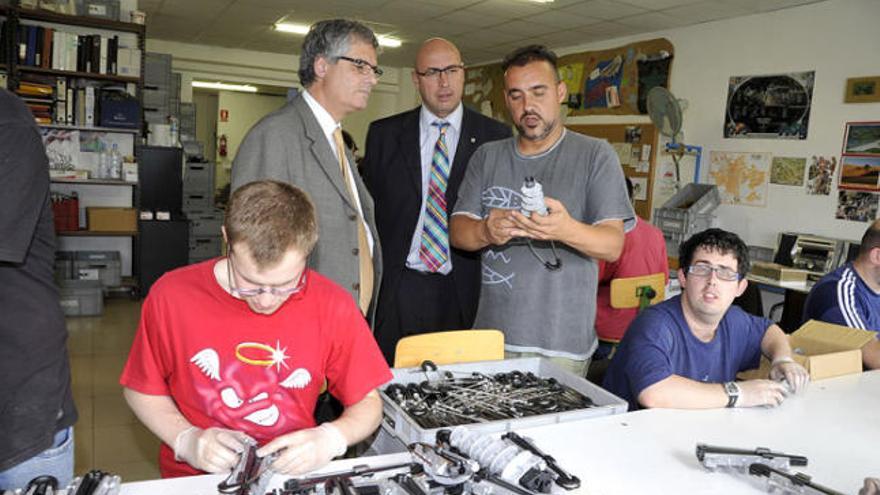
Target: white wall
{"points": [[393, 94], [836, 38]]}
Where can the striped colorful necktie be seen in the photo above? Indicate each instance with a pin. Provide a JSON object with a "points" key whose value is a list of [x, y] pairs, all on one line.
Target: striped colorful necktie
{"points": [[434, 250]]}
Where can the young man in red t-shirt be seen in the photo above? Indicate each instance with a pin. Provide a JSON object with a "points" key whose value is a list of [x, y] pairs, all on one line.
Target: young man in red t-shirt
{"points": [[240, 346]]}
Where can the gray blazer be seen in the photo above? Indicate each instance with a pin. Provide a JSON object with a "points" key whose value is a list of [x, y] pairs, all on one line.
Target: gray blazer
{"points": [[289, 145]]}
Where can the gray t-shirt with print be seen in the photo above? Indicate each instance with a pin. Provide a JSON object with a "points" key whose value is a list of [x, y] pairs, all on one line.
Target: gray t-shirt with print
{"points": [[550, 312]]}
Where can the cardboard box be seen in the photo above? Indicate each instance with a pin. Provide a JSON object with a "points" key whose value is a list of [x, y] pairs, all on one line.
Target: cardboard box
{"points": [[780, 273], [101, 219], [824, 349]]}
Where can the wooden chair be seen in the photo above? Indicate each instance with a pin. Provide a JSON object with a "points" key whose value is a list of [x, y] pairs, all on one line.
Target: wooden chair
{"points": [[629, 292], [457, 346]]}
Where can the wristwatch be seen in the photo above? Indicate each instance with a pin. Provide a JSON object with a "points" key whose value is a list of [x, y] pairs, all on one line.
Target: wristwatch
{"points": [[732, 391]]}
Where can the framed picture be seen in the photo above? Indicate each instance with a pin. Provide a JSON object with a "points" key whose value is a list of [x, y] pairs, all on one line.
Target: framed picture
{"points": [[862, 90], [859, 172], [862, 138], [769, 107]]}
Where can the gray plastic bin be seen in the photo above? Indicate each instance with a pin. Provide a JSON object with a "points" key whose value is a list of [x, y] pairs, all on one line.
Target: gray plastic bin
{"points": [[205, 223], [198, 178], [203, 248], [105, 266], [398, 423], [82, 297]]}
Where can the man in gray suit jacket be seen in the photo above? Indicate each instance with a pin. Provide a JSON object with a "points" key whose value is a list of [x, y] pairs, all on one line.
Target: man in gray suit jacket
{"points": [[302, 144]]}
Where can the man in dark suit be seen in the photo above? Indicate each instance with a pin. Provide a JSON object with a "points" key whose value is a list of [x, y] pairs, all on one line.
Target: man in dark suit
{"points": [[302, 144], [413, 167]]}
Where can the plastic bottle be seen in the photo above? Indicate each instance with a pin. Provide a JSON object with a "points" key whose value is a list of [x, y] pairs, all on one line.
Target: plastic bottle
{"points": [[114, 163], [103, 163], [533, 197], [175, 131]]}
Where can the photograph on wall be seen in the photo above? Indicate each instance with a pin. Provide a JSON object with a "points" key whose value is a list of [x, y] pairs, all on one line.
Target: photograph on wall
{"points": [[769, 107], [788, 170], [859, 172], [862, 90], [741, 177], [856, 206], [820, 175], [640, 188], [862, 138]]}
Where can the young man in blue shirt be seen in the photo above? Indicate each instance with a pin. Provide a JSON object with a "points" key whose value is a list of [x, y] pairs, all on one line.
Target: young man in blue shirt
{"points": [[685, 353], [850, 295]]}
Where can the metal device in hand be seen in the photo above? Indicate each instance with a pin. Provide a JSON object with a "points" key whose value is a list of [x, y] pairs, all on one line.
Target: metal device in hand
{"points": [[250, 476], [532, 197], [779, 481], [714, 457], [359, 479]]}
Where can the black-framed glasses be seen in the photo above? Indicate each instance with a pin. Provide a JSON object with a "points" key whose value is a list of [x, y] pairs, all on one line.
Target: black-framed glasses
{"points": [[722, 272], [275, 291], [449, 70], [363, 67]]}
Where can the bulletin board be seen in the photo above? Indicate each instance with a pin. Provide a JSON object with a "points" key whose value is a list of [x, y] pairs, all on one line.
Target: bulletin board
{"points": [[604, 82], [630, 142]]}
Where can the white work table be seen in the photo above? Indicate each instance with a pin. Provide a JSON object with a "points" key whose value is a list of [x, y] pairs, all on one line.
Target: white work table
{"points": [[834, 423]]}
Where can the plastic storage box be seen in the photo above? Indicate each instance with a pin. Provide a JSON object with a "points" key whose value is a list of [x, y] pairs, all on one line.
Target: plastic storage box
{"points": [[205, 223], [198, 178], [203, 248], [198, 202], [105, 266], [689, 211], [82, 297], [398, 423]]}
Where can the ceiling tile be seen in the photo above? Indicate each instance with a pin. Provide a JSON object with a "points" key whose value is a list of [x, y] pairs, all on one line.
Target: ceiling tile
{"points": [[603, 9], [512, 8], [563, 19], [658, 4], [652, 21], [523, 29], [707, 11]]}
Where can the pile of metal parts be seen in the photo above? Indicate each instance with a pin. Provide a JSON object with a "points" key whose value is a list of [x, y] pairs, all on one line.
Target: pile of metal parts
{"points": [[446, 399], [461, 462], [95, 482], [774, 468]]}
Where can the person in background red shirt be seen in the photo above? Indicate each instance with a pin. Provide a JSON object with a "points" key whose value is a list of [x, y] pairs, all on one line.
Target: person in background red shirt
{"points": [[644, 253]]}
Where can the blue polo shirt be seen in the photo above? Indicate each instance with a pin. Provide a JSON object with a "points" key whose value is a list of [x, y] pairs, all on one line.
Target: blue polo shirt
{"points": [[843, 298], [659, 343]]}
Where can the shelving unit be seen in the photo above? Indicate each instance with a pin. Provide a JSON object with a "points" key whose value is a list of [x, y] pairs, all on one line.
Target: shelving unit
{"points": [[92, 192]]}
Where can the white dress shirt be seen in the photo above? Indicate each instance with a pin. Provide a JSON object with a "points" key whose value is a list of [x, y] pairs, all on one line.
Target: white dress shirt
{"points": [[329, 126]]}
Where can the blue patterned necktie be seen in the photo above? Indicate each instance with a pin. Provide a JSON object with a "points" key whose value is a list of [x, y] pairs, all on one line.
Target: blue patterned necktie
{"points": [[434, 249]]}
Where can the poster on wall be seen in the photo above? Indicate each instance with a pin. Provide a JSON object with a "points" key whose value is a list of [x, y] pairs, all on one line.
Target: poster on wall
{"points": [[770, 106], [741, 177], [602, 87], [856, 206], [862, 138], [788, 171], [859, 172], [820, 174]]}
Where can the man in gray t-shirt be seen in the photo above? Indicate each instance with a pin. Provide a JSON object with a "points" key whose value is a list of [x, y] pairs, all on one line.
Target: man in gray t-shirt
{"points": [[539, 275]]}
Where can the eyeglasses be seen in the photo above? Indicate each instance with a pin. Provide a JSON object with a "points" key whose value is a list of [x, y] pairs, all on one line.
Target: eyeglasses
{"points": [[434, 73], [275, 291], [722, 272], [363, 67]]}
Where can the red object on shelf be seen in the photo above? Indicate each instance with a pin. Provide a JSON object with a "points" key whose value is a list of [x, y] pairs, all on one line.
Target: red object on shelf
{"points": [[66, 212]]}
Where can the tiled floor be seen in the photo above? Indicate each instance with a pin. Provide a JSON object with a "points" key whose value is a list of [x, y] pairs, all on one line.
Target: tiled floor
{"points": [[108, 436]]}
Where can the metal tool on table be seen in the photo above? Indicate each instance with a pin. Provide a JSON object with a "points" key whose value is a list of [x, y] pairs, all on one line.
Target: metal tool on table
{"points": [[779, 481], [713, 457]]}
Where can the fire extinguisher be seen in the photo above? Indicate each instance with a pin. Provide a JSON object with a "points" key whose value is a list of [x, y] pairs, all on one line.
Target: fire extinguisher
{"points": [[222, 150]]}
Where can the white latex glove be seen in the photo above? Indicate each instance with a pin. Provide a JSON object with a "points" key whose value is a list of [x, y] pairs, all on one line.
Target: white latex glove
{"points": [[760, 393], [305, 450], [786, 369], [215, 450], [872, 487]]}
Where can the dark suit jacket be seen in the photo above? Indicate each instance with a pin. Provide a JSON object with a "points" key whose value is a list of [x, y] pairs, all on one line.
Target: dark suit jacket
{"points": [[289, 145], [393, 173]]}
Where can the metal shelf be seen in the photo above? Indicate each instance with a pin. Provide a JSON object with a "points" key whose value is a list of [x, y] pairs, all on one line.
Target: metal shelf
{"points": [[91, 129]]}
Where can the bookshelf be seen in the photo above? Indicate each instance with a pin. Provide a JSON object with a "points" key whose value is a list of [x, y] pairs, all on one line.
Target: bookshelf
{"points": [[79, 64]]}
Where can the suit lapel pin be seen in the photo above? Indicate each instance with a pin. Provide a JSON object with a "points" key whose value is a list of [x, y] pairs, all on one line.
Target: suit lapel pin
{"points": [[473, 140]]}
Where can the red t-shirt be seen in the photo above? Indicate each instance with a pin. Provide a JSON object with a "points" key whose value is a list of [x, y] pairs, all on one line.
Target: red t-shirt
{"points": [[644, 253], [229, 367]]}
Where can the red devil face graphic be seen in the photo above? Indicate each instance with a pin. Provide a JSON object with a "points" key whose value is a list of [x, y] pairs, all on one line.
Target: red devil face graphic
{"points": [[253, 389]]}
